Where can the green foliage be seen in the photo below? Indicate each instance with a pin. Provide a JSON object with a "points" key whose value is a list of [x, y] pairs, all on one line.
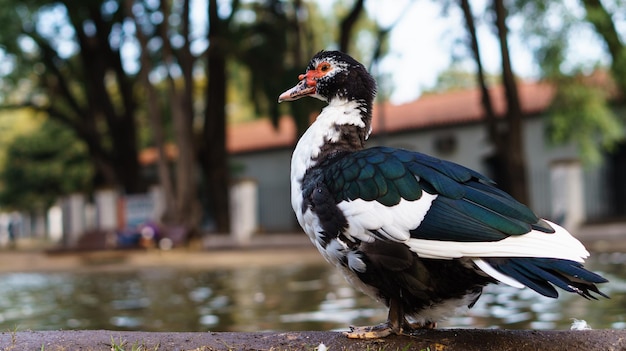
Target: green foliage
{"points": [[42, 166], [456, 78], [580, 114], [262, 45], [548, 26], [13, 124], [64, 59], [274, 46], [606, 26]]}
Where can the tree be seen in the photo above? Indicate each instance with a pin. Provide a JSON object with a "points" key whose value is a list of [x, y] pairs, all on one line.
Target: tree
{"points": [[277, 46], [457, 77], [67, 55], [508, 161], [100, 95], [44, 165], [182, 207], [347, 25], [213, 151], [510, 151], [580, 111], [275, 49], [601, 19], [490, 115]]}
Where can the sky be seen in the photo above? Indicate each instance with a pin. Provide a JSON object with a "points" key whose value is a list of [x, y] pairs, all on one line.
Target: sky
{"points": [[422, 43], [423, 40]]}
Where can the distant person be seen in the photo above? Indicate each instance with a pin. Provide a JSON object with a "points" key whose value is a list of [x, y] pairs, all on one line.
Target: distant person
{"points": [[11, 229]]}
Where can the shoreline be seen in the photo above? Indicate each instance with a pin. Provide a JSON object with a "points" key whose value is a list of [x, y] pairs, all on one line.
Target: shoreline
{"points": [[220, 252], [124, 260]]}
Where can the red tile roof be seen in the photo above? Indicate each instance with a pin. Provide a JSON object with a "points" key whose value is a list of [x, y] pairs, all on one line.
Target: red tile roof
{"points": [[260, 134], [427, 111], [430, 110], [149, 155]]}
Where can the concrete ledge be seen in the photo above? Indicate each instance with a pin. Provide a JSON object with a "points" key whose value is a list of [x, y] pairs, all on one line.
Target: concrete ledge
{"points": [[431, 340]]}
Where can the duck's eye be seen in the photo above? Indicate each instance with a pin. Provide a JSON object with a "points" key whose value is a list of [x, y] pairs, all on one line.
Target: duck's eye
{"points": [[324, 67]]}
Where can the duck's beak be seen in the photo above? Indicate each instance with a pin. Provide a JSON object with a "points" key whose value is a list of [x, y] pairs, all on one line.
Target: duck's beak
{"points": [[305, 87]]}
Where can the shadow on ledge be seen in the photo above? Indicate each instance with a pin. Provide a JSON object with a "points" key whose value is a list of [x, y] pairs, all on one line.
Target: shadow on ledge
{"points": [[431, 340]]}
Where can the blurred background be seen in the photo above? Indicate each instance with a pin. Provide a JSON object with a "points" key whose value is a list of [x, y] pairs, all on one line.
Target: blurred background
{"points": [[130, 123], [116, 115]]}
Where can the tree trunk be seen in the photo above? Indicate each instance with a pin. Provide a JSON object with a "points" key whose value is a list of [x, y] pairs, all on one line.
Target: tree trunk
{"points": [[187, 203], [601, 19], [99, 60], [155, 118], [347, 24], [105, 174], [492, 127], [214, 151], [512, 153], [125, 161], [182, 207], [497, 160]]}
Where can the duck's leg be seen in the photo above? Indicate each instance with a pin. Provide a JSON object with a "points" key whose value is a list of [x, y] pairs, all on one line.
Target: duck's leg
{"points": [[393, 325]]}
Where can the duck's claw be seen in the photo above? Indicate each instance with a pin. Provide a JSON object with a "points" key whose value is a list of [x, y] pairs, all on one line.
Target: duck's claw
{"points": [[371, 332]]}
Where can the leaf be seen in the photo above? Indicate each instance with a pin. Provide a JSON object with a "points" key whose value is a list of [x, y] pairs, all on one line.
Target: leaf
{"points": [[580, 114]]}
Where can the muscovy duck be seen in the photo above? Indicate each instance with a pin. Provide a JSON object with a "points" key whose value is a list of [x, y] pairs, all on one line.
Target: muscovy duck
{"points": [[420, 234]]}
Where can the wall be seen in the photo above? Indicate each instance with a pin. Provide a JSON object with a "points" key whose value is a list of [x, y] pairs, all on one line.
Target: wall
{"points": [[271, 169]]}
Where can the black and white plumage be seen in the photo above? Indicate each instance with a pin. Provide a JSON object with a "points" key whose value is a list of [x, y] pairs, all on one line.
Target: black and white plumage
{"points": [[420, 234]]}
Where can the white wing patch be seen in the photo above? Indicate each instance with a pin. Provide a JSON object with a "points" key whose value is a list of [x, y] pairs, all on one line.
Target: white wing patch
{"points": [[560, 244], [365, 217], [503, 278], [392, 222]]}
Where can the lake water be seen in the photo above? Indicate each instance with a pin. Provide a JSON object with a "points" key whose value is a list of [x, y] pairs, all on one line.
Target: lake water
{"points": [[294, 297]]}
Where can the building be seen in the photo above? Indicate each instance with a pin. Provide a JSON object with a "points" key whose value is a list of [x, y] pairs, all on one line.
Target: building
{"points": [[448, 126]]}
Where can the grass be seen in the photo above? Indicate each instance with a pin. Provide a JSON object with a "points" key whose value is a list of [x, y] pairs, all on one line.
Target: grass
{"points": [[122, 346], [13, 338]]}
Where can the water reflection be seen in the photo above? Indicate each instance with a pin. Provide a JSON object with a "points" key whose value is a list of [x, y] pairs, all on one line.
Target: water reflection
{"points": [[294, 297]]}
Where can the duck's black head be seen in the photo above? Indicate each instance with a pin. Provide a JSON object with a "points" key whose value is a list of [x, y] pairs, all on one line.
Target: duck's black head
{"points": [[331, 75]]}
